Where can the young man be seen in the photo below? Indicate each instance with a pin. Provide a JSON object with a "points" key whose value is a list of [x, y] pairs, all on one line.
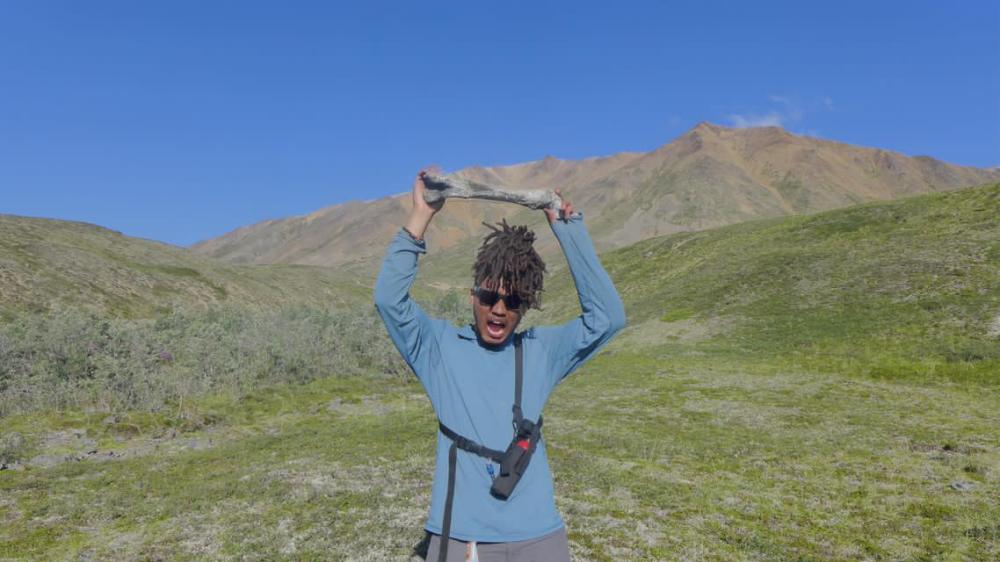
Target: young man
{"points": [[470, 376]]}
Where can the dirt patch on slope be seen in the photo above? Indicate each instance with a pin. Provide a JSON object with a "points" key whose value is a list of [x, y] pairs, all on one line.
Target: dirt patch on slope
{"points": [[657, 332]]}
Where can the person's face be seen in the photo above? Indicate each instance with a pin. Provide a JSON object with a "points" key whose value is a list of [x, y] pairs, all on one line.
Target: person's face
{"points": [[494, 322]]}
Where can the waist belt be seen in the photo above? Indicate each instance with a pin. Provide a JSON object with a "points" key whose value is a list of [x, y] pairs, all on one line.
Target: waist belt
{"points": [[513, 462]]}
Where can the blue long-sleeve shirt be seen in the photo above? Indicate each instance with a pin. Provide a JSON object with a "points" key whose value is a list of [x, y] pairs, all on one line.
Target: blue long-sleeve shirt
{"points": [[471, 387]]}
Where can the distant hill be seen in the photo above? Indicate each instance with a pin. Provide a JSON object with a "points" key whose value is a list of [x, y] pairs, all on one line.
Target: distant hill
{"points": [[49, 264], [710, 176]]}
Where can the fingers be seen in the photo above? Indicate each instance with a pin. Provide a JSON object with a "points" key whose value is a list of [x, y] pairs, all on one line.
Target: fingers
{"points": [[564, 211], [419, 189], [567, 209], [567, 212]]}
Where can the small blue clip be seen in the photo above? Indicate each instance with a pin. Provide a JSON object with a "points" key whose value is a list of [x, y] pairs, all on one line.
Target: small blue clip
{"points": [[489, 468]]}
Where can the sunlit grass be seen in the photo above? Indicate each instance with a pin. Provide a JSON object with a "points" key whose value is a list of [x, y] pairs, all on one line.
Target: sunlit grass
{"points": [[811, 388]]}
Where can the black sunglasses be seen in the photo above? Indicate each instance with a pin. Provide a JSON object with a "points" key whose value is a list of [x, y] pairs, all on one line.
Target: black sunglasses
{"points": [[490, 298]]}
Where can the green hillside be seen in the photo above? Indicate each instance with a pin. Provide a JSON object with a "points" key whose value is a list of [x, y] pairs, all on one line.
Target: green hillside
{"points": [[47, 265], [905, 288]]}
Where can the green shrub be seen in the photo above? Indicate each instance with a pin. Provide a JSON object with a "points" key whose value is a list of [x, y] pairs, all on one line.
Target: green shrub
{"points": [[81, 360], [12, 446]]}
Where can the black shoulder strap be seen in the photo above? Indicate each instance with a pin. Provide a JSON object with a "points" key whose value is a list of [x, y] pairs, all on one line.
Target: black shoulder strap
{"points": [[518, 381], [518, 370], [448, 501]]}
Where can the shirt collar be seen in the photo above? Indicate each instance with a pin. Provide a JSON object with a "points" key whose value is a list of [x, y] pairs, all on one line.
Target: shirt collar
{"points": [[467, 332]]}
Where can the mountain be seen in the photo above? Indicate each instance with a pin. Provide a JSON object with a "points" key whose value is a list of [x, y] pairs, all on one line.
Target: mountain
{"points": [[50, 264], [710, 176]]}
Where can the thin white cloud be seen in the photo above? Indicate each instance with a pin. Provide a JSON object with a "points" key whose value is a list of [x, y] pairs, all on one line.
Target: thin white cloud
{"points": [[790, 107], [789, 110], [772, 119]]}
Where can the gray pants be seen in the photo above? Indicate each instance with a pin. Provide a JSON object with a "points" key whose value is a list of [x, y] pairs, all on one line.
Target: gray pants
{"points": [[553, 547]]}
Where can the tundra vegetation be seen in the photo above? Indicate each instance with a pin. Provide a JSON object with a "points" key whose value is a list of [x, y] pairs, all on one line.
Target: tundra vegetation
{"points": [[823, 387]]}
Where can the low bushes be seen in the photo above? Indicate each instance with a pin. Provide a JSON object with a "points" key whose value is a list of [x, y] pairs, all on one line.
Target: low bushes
{"points": [[79, 360]]}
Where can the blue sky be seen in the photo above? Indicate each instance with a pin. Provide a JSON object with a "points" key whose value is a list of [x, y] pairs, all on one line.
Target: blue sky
{"points": [[181, 120]]}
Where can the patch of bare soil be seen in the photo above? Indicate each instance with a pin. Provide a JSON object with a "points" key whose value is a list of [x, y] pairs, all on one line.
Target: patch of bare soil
{"points": [[73, 445], [994, 331], [655, 332]]}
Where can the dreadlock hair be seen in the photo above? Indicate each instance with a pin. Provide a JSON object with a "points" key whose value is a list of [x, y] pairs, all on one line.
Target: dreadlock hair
{"points": [[508, 258]]}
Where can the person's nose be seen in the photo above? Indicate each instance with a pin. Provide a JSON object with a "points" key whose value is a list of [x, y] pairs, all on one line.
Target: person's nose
{"points": [[499, 308]]}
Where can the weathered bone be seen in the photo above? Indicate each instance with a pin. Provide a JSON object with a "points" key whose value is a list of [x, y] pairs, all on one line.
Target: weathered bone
{"points": [[450, 185]]}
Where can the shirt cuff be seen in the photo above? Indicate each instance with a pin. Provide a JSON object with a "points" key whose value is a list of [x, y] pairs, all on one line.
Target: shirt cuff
{"points": [[405, 236], [575, 218]]}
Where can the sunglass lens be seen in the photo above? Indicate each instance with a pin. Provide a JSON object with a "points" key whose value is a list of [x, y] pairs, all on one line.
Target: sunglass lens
{"points": [[512, 302], [488, 298]]}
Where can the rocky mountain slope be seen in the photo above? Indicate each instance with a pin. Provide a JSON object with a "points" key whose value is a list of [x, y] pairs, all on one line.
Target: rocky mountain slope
{"points": [[710, 176]]}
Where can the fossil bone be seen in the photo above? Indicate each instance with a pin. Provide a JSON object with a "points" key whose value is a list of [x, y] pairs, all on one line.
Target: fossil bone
{"points": [[450, 185]]}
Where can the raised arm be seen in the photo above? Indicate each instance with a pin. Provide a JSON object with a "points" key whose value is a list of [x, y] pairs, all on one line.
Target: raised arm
{"points": [[573, 343], [409, 327]]}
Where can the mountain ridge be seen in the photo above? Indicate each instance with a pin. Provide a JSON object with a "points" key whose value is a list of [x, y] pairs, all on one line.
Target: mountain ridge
{"points": [[709, 176]]}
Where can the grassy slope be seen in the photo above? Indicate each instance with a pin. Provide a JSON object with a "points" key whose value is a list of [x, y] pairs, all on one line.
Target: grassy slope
{"points": [[719, 426], [49, 264], [909, 288]]}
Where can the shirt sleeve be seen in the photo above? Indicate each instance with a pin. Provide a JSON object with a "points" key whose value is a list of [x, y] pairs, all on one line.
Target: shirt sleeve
{"points": [[410, 328], [573, 343]]}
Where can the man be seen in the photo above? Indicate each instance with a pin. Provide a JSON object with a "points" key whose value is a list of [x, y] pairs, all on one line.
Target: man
{"points": [[486, 509]]}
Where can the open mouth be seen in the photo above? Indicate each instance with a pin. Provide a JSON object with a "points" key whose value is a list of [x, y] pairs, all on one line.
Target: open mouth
{"points": [[495, 328]]}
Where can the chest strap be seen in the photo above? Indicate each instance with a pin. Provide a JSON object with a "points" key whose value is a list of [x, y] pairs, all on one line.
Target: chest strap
{"points": [[469, 445]]}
